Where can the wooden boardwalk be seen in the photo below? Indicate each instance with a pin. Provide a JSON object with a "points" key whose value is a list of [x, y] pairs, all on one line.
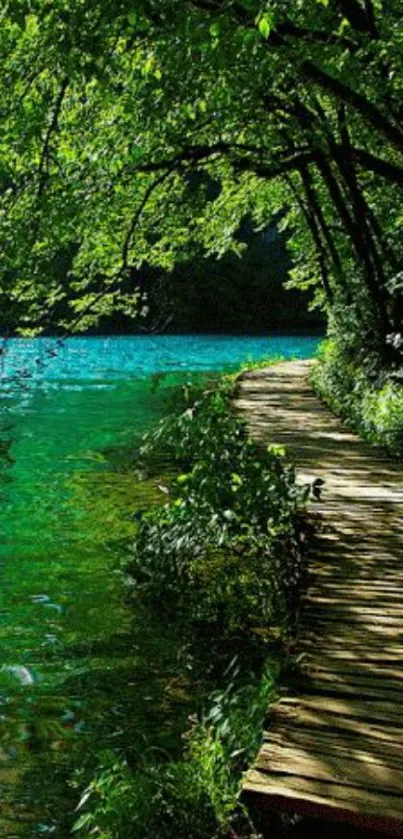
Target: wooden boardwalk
{"points": [[334, 747]]}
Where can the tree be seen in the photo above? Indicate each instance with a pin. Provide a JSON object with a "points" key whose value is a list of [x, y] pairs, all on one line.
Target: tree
{"points": [[108, 109]]}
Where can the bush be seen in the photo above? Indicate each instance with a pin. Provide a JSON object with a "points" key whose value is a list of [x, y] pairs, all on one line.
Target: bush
{"points": [[195, 798], [221, 559], [225, 548], [367, 395], [157, 800]]}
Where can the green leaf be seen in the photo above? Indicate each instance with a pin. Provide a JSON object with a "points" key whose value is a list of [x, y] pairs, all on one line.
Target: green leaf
{"points": [[236, 479], [265, 25], [250, 36]]}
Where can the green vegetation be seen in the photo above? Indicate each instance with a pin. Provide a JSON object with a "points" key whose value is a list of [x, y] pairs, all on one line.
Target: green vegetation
{"points": [[368, 396], [194, 798], [138, 138], [221, 560], [224, 549], [143, 136]]}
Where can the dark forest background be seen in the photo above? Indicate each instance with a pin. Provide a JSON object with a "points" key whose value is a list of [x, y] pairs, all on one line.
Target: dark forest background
{"points": [[234, 294]]}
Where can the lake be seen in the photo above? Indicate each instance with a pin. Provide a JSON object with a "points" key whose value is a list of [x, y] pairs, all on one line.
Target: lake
{"points": [[81, 672]]}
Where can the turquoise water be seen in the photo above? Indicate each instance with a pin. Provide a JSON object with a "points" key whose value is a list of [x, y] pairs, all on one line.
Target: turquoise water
{"points": [[104, 360], [80, 671]]}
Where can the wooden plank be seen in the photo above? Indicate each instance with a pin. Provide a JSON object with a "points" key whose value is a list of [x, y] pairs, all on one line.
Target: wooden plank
{"points": [[333, 649], [327, 684], [387, 593], [357, 605], [386, 712], [314, 672], [368, 649], [332, 795], [339, 725], [346, 662], [381, 624], [359, 747], [331, 767], [357, 553], [345, 575], [386, 625], [337, 748]]}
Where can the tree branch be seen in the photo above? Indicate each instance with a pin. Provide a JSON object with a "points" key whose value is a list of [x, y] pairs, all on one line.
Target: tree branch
{"points": [[390, 171], [136, 218], [279, 167], [289, 29], [313, 226], [306, 117], [357, 16], [43, 162], [114, 280], [371, 18], [356, 100], [194, 154]]}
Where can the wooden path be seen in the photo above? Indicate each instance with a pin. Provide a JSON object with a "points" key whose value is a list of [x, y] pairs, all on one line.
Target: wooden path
{"points": [[334, 748]]}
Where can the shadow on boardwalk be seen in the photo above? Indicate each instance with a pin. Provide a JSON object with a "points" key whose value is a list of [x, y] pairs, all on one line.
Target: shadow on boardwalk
{"points": [[334, 748]]}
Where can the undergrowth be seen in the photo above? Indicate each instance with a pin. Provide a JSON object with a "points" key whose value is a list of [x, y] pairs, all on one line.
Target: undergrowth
{"points": [[221, 559], [366, 394]]}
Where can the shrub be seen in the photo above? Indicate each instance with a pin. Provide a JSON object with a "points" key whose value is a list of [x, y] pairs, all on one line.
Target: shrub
{"points": [[221, 557], [195, 798], [367, 395], [157, 800], [224, 548]]}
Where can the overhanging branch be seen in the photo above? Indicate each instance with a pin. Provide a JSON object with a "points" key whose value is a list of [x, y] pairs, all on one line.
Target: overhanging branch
{"points": [[111, 283], [44, 158], [390, 171], [359, 102]]}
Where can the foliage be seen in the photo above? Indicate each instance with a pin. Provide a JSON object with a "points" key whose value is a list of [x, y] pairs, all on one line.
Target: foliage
{"points": [[367, 396], [159, 800], [224, 549], [222, 558], [192, 798], [111, 159]]}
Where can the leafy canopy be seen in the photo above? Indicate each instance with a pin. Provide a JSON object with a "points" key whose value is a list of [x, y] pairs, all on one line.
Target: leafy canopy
{"points": [[117, 118]]}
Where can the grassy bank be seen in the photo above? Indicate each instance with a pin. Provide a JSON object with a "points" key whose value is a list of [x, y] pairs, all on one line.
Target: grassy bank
{"points": [[220, 562], [363, 392]]}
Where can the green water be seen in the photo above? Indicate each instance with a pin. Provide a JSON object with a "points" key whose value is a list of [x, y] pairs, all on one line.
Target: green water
{"points": [[81, 671]]}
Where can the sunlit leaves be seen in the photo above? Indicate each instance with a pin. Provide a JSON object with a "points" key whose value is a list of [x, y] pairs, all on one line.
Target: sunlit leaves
{"points": [[146, 84], [230, 515], [265, 23]]}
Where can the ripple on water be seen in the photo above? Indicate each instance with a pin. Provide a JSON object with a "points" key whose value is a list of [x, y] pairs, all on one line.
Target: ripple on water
{"points": [[80, 668]]}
